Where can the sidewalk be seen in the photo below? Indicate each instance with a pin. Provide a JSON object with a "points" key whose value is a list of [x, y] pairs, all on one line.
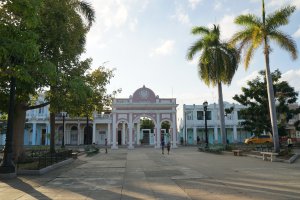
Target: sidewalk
{"points": [[144, 173]]}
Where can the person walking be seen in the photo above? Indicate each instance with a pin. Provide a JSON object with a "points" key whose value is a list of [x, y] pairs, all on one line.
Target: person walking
{"points": [[162, 146], [105, 145], [168, 147]]}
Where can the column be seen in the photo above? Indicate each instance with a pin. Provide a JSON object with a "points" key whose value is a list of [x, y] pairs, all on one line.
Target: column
{"points": [[195, 135], [130, 128], [123, 133], [138, 134], [216, 134], [33, 138], [78, 133], [114, 144], [174, 138], [108, 134], [94, 132], [235, 140], [157, 131], [48, 133]]}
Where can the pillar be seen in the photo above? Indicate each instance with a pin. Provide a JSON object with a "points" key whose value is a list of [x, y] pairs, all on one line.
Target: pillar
{"points": [[216, 134], [94, 132], [174, 138], [114, 127], [195, 134], [33, 138], [123, 133], [157, 131], [130, 132], [108, 134], [138, 133], [235, 139]]}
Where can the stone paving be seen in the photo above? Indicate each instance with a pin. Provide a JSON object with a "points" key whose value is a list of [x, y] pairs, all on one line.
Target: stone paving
{"points": [[144, 173]]}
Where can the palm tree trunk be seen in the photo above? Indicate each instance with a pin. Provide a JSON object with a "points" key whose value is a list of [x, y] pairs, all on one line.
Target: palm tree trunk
{"points": [[52, 132], [271, 99], [221, 113]]}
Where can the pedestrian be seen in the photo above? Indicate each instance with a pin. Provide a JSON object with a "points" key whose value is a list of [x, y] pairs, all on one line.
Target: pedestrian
{"points": [[162, 146], [168, 147], [105, 145], [289, 143], [198, 139]]}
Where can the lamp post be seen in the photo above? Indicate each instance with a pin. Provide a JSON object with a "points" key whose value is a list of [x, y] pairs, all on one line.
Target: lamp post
{"points": [[63, 114], [185, 129], [205, 104]]}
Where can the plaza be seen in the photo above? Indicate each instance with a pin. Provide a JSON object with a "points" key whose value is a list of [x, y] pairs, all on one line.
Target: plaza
{"points": [[144, 173]]}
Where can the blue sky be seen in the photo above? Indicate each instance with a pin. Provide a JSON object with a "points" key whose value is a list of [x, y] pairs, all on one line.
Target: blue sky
{"points": [[146, 41]]}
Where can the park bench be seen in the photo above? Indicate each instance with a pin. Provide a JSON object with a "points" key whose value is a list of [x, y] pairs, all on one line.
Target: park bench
{"points": [[272, 155], [237, 152]]}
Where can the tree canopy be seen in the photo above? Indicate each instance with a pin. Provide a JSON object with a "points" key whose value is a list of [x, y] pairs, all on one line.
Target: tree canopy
{"points": [[254, 97]]}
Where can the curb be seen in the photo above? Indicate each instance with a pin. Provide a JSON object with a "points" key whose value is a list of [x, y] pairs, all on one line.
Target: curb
{"points": [[46, 169]]}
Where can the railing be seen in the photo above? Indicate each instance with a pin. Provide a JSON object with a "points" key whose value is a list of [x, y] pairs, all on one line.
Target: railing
{"points": [[45, 158]]}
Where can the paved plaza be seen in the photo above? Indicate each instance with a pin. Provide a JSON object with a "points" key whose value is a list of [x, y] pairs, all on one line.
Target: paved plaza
{"points": [[144, 173]]}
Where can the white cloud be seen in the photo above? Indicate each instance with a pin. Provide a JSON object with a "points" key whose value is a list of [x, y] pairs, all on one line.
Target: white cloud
{"points": [[293, 78], [182, 16], [218, 5], [166, 48], [193, 3], [227, 26], [297, 33], [133, 24], [278, 4], [243, 82]]}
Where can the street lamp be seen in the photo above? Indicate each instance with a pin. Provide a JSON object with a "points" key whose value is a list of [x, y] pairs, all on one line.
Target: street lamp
{"points": [[205, 104], [63, 114]]}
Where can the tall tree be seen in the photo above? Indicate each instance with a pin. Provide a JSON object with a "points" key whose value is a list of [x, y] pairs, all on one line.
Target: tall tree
{"points": [[18, 51], [216, 65], [62, 41], [259, 32], [255, 98]]}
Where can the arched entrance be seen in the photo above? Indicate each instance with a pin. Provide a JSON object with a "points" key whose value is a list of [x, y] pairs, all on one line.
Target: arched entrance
{"points": [[143, 104], [74, 135]]}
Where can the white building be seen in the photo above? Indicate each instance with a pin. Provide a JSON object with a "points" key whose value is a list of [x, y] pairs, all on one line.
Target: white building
{"points": [[193, 124], [120, 127]]}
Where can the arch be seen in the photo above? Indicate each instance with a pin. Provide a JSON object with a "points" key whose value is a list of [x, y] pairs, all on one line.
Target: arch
{"points": [[74, 135], [139, 116]]}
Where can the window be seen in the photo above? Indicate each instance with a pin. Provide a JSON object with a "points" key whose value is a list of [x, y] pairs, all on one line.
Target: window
{"points": [[41, 110], [239, 115], [200, 115], [208, 114], [189, 116]]}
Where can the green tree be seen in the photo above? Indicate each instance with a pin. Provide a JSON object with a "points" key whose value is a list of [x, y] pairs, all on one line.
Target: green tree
{"points": [[62, 41], [259, 32], [217, 64], [18, 52], [255, 98], [147, 124]]}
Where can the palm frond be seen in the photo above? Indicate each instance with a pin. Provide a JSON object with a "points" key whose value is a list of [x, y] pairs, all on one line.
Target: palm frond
{"points": [[248, 20], [197, 47], [249, 55], [88, 12], [199, 30], [286, 42], [279, 17]]}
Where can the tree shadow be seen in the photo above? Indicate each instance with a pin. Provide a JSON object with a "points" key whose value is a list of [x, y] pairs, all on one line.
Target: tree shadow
{"points": [[28, 189]]}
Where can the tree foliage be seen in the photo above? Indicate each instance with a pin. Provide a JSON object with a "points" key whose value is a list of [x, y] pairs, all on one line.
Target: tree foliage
{"points": [[254, 97]]}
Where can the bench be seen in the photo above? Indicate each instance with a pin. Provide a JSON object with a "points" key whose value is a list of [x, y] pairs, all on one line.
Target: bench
{"points": [[237, 152], [269, 154], [74, 155]]}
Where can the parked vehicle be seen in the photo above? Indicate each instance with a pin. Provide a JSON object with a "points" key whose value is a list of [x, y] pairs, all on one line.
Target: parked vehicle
{"points": [[261, 139]]}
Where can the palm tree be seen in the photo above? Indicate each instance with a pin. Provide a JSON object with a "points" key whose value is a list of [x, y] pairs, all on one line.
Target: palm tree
{"points": [[217, 63], [258, 32]]}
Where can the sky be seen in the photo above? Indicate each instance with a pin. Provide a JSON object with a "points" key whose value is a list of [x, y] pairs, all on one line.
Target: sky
{"points": [[146, 42]]}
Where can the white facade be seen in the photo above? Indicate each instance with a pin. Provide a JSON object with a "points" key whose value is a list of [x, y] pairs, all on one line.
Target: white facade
{"points": [[121, 127], [193, 124]]}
